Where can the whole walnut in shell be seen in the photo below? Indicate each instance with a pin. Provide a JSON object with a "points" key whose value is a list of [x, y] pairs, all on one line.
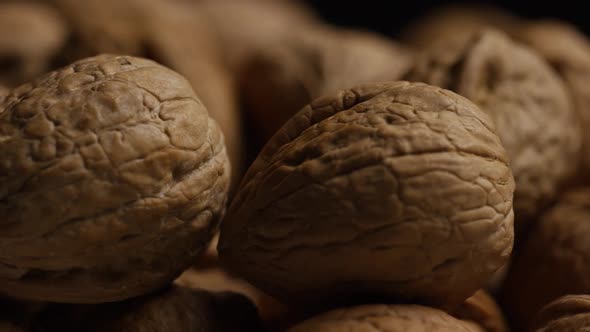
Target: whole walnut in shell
{"points": [[567, 313], [482, 310], [552, 262], [176, 309], [385, 318], [388, 190], [30, 37], [113, 178], [568, 52], [278, 81], [527, 101]]}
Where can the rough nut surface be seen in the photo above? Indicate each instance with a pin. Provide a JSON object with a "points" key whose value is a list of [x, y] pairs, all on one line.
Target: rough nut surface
{"points": [[176, 309], [112, 179], [393, 190], [385, 318], [278, 81], [568, 52], [30, 35], [567, 313], [483, 310], [527, 101], [554, 260]]}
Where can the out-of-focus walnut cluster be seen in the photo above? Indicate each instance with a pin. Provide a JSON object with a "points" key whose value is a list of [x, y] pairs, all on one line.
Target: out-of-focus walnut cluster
{"points": [[234, 165]]}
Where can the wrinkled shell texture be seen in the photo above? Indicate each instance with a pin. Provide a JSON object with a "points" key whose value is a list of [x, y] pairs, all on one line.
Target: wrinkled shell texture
{"points": [[112, 179], [393, 190], [177, 309], [568, 52], [553, 261], [567, 313], [278, 81], [482, 309], [30, 35], [527, 101], [385, 318]]}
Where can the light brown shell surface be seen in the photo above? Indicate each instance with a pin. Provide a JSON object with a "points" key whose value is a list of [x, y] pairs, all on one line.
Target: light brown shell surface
{"points": [[527, 101], [30, 36], [568, 52], [483, 310], [177, 309], [392, 190], [112, 180], [553, 261], [567, 313], [385, 318], [278, 81]]}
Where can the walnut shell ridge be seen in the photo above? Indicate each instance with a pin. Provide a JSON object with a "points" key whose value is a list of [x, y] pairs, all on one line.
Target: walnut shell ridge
{"points": [[392, 190], [567, 313], [527, 101], [112, 180]]}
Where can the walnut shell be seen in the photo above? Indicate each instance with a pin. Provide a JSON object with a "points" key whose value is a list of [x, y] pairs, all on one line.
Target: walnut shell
{"points": [[527, 101], [176, 309], [30, 36], [278, 81], [568, 52], [385, 318], [552, 262], [393, 190], [483, 310], [567, 313], [110, 167]]}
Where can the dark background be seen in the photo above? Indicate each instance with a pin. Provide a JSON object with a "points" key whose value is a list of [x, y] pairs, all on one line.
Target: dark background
{"points": [[389, 17]]}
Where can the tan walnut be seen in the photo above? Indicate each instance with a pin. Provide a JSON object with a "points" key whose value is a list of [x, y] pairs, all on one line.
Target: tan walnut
{"points": [[113, 178], [393, 190], [552, 262], [175, 309], [278, 81], [385, 318], [567, 313], [31, 35], [527, 101]]}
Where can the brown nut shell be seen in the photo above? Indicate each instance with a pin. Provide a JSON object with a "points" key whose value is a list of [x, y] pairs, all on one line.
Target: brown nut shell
{"points": [[385, 318], [278, 81], [567, 313], [175, 309], [568, 51], [483, 310], [553, 261], [113, 178], [393, 190], [527, 101], [31, 34]]}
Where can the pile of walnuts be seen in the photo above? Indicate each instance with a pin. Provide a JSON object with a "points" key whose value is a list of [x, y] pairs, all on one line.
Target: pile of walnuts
{"points": [[234, 165]]}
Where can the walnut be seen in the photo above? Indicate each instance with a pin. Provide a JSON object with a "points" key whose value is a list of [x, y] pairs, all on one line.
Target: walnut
{"points": [[30, 36], [385, 318], [567, 313], [113, 178], [552, 262], [482, 309], [170, 33], [278, 81], [176, 309], [568, 52], [393, 190], [527, 101]]}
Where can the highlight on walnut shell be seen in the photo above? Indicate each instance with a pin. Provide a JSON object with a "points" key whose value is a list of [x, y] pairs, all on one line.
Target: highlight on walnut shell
{"points": [[385, 318], [31, 34], [278, 81], [388, 190], [113, 180], [567, 313], [550, 263], [175, 309], [527, 101], [482, 310]]}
